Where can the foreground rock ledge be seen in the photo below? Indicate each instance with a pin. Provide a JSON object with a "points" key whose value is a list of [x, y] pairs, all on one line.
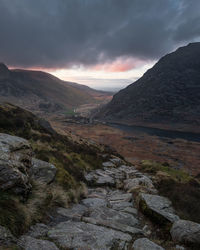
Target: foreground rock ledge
{"points": [[158, 208], [80, 235], [15, 162], [186, 232]]}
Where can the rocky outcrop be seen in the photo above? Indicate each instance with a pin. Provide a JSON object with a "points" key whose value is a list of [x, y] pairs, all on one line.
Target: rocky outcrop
{"points": [[144, 244], [15, 163], [18, 168], [158, 208], [42, 171], [186, 232]]}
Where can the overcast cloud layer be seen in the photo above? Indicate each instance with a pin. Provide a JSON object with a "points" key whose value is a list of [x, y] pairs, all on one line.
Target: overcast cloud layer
{"points": [[64, 33]]}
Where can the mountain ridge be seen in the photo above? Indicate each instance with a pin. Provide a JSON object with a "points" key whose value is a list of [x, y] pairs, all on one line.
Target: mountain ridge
{"points": [[39, 91], [167, 93]]}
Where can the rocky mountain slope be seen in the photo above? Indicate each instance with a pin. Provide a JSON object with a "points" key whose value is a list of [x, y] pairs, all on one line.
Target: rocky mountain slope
{"points": [[60, 193], [169, 93], [41, 92]]}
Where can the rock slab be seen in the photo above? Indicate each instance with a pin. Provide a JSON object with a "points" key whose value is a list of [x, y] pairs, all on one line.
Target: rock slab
{"points": [[81, 235], [145, 244], [184, 231]]}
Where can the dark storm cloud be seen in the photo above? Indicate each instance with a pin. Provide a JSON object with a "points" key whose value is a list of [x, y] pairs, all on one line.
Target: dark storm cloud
{"points": [[60, 33]]}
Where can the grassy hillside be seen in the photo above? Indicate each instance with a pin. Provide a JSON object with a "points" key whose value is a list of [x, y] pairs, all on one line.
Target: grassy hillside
{"points": [[40, 91], [71, 158]]}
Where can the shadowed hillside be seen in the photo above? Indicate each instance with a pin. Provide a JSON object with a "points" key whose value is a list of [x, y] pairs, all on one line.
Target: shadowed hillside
{"points": [[168, 94], [41, 92]]}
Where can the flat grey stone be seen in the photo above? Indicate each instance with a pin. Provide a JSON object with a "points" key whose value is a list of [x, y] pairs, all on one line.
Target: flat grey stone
{"points": [[81, 235], [105, 180], [130, 210], [158, 205], [146, 244], [120, 205], [119, 197], [97, 193], [30, 243], [113, 219], [115, 225], [100, 177], [108, 164], [184, 231], [94, 202], [75, 212]]}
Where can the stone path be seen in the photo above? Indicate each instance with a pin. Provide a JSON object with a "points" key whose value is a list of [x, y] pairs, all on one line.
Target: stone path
{"points": [[106, 219]]}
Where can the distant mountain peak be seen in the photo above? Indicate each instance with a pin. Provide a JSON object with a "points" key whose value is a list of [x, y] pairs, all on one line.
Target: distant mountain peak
{"points": [[4, 71]]}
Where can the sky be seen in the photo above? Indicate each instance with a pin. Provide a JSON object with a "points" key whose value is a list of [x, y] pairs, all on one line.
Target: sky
{"points": [[106, 44]]}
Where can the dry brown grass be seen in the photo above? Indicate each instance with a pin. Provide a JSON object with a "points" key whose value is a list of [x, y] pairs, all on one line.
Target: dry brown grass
{"points": [[178, 153]]}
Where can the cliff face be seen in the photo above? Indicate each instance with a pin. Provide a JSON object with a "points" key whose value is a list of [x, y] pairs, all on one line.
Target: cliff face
{"points": [[167, 93]]}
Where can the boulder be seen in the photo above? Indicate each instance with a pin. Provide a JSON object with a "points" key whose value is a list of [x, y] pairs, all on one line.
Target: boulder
{"points": [[144, 244], [158, 208], [30, 243], [186, 232], [15, 163], [100, 178], [6, 238], [42, 171], [144, 181], [81, 235]]}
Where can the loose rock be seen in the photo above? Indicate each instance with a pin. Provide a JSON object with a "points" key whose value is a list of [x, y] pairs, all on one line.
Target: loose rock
{"points": [[43, 171], [146, 244]]}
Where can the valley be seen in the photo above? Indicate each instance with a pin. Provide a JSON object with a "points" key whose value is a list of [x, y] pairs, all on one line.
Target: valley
{"points": [[180, 150]]}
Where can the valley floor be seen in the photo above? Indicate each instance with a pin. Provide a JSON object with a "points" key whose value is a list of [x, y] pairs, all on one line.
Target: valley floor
{"points": [[138, 145]]}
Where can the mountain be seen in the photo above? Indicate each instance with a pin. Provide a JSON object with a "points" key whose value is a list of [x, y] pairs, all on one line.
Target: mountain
{"points": [[168, 94], [89, 90], [40, 91]]}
